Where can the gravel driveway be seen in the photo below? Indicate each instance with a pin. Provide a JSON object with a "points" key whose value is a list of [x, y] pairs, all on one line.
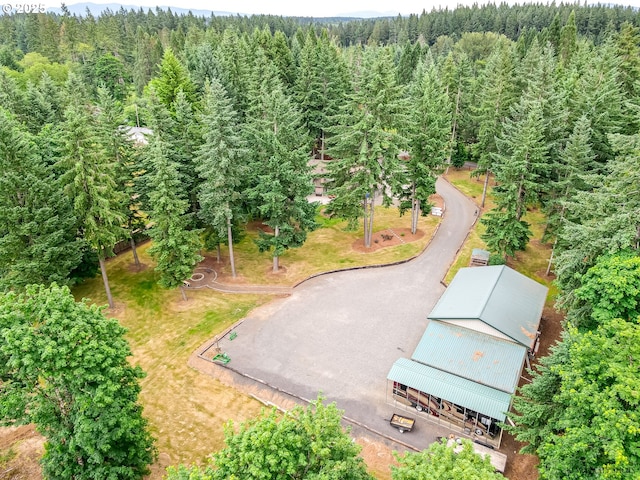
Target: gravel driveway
{"points": [[339, 334]]}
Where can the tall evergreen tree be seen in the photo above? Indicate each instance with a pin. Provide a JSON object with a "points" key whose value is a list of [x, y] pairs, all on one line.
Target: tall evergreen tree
{"points": [[519, 163], [11, 97], [120, 151], [235, 58], [429, 136], [282, 177], [38, 110], [90, 181], [455, 73], [37, 226], [175, 242], [577, 160], [600, 220], [321, 85], [221, 164], [172, 78], [628, 50], [184, 139], [496, 96], [598, 95], [366, 144]]}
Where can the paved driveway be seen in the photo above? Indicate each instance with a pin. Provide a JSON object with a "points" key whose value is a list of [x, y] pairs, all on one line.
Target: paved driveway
{"points": [[339, 334]]}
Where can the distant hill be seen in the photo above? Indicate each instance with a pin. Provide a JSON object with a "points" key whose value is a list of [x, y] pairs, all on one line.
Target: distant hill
{"points": [[97, 8]]}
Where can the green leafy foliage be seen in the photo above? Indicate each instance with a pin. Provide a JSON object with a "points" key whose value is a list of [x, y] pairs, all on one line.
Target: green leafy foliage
{"points": [[593, 423], [304, 443], [440, 462], [64, 367], [611, 287]]}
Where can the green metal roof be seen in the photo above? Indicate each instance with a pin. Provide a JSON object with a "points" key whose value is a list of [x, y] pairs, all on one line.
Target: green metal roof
{"points": [[497, 295], [480, 398], [472, 355]]}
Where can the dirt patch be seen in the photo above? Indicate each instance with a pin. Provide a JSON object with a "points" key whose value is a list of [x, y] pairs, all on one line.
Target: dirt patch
{"points": [[387, 238], [281, 271], [20, 452], [222, 269], [257, 226], [133, 268], [436, 200], [519, 466], [551, 330], [117, 310], [378, 457]]}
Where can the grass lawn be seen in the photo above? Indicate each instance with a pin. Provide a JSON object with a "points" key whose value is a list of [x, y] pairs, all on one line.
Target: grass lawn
{"points": [[186, 409], [327, 248], [532, 262]]}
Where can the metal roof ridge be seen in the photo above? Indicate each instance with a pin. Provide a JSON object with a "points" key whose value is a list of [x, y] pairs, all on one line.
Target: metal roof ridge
{"points": [[481, 317]]}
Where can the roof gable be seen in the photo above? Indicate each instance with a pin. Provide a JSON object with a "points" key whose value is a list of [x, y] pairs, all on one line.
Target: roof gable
{"points": [[497, 295]]}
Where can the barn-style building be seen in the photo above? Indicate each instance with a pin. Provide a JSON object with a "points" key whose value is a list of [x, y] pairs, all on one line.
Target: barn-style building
{"points": [[467, 365]]}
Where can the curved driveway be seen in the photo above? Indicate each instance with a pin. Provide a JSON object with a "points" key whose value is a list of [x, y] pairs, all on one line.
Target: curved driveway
{"points": [[340, 333]]}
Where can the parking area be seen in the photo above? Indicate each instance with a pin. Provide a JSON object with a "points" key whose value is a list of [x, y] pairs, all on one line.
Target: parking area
{"points": [[339, 334]]}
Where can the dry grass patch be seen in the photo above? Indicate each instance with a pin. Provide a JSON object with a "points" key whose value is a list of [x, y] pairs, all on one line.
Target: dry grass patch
{"points": [[186, 409], [328, 248]]}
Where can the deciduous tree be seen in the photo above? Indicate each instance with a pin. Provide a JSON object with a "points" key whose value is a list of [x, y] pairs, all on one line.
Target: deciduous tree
{"points": [[304, 443], [580, 414], [65, 367], [611, 288], [440, 462]]}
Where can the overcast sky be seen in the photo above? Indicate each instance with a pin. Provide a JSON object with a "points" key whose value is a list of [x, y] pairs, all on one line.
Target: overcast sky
{"points": [[308, 8]]}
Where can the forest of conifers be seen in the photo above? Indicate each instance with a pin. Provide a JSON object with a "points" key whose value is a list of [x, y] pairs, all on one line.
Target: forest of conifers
{"points": [[544, 99]]}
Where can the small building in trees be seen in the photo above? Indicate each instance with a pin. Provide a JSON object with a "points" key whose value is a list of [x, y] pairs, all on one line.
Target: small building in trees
{"points": [[468, 363], [320, 172], [479, 258]]}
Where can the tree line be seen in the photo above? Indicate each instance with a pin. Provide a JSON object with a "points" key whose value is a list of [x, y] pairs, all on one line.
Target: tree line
{"points": [[236, 112]]}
